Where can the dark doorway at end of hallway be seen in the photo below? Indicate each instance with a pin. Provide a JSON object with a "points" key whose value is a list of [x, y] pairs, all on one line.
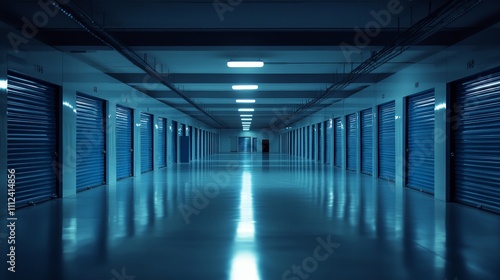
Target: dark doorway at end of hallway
{"points": [[265, 145]]}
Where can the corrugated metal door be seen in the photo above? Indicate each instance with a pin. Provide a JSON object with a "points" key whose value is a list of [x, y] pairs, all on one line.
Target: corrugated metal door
{"points": [[33, 138], [352, 142], [367, 141], [162, 142], [338, 142], [90, 143], [313, 142], [387, 141], [328, 141], [195, 143], [319, 142], [124, 142], [420, 142], [476, 144], [146, 142], [308, 142], [174, 141], [191, 149]]}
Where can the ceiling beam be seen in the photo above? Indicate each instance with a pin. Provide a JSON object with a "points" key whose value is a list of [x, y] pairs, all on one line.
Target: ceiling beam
{"points": [[202, 78], [206, 38]]}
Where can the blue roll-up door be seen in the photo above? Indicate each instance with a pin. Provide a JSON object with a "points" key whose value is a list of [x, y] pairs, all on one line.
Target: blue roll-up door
{"points": [[352, 142], [420, 142], [244, 144], [191, 149], [124, 142], [319, 142], [90, 143], [308, 142], [338, 142], [367, 141], [476, 144], [387, 141], [32, 139], [174, 141], [162, 142], [328, 141], [146, 142], [196, 133], [313, 142]]}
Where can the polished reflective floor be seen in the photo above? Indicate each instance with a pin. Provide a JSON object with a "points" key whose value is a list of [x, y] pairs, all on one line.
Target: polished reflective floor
{"points": [[253, 217]]}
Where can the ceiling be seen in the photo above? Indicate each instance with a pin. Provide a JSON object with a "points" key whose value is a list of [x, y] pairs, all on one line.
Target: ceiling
{"points": [[302, 43]]}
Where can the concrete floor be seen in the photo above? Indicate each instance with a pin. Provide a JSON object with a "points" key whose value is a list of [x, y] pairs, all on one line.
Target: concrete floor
{"points": [[253, 217]]}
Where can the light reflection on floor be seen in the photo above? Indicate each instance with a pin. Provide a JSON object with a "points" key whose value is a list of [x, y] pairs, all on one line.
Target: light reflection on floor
{"points": [[265, 219], [245, 258]]}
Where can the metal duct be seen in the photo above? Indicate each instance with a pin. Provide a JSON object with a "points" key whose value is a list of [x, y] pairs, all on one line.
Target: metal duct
{"points": [[423, 29], [84, 20]]}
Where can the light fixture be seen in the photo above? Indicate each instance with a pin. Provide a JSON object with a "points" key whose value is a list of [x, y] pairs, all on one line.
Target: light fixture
{"points": [[245, 64], [246, 119], [249, 123], [246, 110], [3, 84], [246, 125], [245, 100], [245, 87], [246, 129], [246, 116]]}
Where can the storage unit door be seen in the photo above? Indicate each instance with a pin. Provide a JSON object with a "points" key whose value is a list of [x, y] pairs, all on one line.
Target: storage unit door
{"points": [[367, 141], [174, 141], [124, 142], [352, 142], [313, 142], [90, 143], [387, 142], [191, 150], [146, 142], [244, 144], [338, 143], [319, 142], [476, 144], [195, 143], [420, 142], [162, 142], [32, 139]]}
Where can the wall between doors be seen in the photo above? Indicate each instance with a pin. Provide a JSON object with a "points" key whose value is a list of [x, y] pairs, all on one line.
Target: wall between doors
{"points": [[227, 134]]}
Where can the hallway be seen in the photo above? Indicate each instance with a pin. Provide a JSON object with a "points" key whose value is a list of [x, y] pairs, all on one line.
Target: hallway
{"points": [[254, 217]]}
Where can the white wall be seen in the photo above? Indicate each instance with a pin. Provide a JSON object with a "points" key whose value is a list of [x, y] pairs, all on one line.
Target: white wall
{"points": [[226, 134]]}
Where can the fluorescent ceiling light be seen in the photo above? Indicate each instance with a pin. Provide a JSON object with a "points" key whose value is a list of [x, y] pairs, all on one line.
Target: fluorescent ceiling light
{"points": [[246, 110], [249, 123], [246, 129], [245, 87], [246, 125], [245, 100], [245, 64], [246, 119], [246, 116]]}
